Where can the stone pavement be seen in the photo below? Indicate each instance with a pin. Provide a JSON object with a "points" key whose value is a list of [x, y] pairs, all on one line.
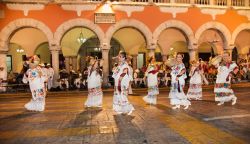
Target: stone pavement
{"points": [[65, 120]]}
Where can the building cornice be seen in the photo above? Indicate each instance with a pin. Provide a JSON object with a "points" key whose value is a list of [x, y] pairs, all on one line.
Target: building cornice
{"points": [[25, 7]]}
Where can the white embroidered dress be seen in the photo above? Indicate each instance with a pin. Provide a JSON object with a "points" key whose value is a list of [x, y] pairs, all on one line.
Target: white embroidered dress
{"points": [[37, 88], [177, 95], [152, 83], [122, 80], [222, 89], [195, 84], [95, 93]]}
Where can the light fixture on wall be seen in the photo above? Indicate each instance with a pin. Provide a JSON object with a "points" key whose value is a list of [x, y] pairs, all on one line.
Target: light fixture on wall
{"points": [[19, 50], [81, 38], [97, 49]]}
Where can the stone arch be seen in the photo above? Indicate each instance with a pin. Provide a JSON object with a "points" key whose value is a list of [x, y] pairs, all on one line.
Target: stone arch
{"points": [[244, 26], [130, 23], [64, 27], [8, 30], [183, 27], [218, 26]]}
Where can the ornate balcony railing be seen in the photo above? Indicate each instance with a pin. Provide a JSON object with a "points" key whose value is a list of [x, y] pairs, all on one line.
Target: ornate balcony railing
{"points": [[200, 3]]}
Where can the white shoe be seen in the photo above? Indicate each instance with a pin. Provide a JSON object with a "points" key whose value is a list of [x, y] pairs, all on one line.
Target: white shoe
{"points": [[220, 103], [129, 113], [186, 107], [234, 101], [176, 106]]}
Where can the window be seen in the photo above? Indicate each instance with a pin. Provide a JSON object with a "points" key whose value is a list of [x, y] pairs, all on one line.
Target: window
{"points": [[9, 63], [158, 57]]}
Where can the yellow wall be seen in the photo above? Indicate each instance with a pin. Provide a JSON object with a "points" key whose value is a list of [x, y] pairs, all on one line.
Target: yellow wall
{"points": [[70, 46], [44, 52], [17, 62]]}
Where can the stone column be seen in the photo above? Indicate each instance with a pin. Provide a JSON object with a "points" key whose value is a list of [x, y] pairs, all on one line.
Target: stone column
{"points": [[192, 54], [3, 64], [134, 61], [229, 49], [74, 63], [55, 63], [3, 74], [67, 63], [151, 49], [151, 52], [105, 57]]}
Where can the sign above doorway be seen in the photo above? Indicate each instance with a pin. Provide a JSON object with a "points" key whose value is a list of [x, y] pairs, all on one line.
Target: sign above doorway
{"points": [[104, 18]]}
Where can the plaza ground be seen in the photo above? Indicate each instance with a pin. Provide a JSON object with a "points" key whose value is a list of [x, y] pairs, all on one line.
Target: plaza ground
{"points": [[65, 120]]}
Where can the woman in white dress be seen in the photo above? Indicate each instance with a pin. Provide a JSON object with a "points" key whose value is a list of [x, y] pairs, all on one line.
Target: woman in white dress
{"points": [[122, 77], [195, 83], [94, 80], [36, 80], [152, 82], [222, 89], [178, 76]]}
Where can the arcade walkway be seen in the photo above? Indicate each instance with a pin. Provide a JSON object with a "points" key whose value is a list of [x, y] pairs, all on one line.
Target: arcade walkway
{"points": [[65, 121]]}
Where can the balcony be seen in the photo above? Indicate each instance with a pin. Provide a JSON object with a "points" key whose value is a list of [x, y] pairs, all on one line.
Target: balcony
{"points": [[242, 4]]}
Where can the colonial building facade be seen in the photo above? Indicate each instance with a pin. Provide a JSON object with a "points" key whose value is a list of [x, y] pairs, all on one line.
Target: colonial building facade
{"points": [[73, 29]]}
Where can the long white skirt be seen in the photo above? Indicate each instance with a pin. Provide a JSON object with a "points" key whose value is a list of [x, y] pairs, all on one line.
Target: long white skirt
{"points": [[195, 87], [178, 97], [94, 97], [36, 104], [223, 92], [194, 91], [121, 103], [151, 98]]}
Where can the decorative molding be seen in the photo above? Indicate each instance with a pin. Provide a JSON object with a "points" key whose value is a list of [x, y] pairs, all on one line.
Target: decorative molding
{"points": [[174, 10], [25, 7], [244, 13], [128, 9], [78, 8], [213, 12]]}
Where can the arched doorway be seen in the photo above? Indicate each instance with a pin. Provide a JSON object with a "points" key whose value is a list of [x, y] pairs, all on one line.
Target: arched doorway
{"points": [[173, 41], [77, 43], [90, 48], [133, 42], [21, 46], [210, 44], [242, 43]]}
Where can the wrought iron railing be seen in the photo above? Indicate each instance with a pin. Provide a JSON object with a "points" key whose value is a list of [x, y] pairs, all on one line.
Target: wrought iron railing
{"points": [[221, 3]]}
